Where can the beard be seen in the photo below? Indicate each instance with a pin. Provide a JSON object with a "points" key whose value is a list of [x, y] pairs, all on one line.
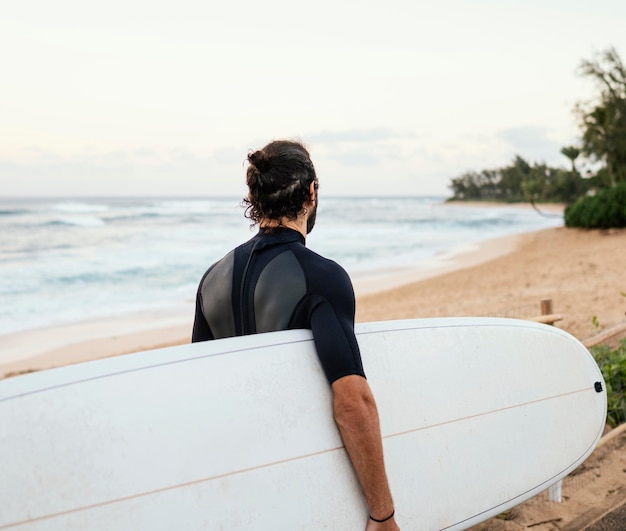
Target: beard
{"points": [[310, 222]]}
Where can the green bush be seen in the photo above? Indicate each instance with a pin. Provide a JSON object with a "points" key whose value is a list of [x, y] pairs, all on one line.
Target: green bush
{"points": [[612, 363], [606, 209]]}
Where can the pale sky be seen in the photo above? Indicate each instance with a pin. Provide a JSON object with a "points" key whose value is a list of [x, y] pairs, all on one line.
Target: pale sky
{"points": [[137, 97]]}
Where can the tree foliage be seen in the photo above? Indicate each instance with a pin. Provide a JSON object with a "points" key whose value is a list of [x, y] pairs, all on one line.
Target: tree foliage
{"points": [[517, 182], [605, 209], [603, 122], [612, 363]]}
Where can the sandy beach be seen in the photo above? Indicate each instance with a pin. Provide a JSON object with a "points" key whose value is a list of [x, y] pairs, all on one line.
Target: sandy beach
{"points": [[581, 271]]}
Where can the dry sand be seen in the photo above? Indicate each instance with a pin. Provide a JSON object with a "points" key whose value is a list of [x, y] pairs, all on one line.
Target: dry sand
{"points": [[583, 272]]}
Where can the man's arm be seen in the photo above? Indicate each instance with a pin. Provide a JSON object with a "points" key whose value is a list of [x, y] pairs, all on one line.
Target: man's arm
{"points": [[201, 330], [355, 413]]}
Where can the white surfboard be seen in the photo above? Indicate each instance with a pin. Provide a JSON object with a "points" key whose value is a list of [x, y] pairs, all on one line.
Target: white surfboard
{"points": [[477, 415]]}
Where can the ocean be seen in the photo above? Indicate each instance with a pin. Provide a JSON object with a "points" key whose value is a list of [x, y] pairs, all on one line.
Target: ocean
{"points": [[71, 260]]}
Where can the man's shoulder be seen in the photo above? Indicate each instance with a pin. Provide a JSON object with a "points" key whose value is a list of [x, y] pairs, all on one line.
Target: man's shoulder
{"points": [[314, 258], [321, 267], [222, 267], [226, 262]]}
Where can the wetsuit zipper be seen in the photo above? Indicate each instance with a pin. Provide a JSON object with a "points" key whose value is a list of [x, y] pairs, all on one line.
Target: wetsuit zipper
{"points": [[243, 306]]}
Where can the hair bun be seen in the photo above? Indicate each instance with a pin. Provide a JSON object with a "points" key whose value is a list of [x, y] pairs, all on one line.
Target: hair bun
{"points": [[260, 161]]}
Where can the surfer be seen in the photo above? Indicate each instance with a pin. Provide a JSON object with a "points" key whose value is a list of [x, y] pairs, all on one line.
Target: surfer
{"points": [[273, 282]]}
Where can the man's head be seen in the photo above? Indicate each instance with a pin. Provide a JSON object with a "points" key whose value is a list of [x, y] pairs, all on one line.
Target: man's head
{"points": [[280, 178]]}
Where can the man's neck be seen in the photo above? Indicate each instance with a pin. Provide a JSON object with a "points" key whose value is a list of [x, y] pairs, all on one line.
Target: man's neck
{"points": [[298, 224]]}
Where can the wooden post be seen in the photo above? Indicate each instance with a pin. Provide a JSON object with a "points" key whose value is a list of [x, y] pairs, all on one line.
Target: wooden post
{"points": [[555, 491], [546, 306], [546, 316]]}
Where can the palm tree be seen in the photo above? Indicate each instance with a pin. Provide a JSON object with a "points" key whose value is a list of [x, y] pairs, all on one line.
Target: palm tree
{"points": [[572, 153]]}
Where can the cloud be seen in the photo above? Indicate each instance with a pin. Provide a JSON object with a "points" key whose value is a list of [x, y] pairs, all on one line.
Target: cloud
{"points": [[356, 157], [376, 134], [361, 148], [121, 172], [532, 143]]}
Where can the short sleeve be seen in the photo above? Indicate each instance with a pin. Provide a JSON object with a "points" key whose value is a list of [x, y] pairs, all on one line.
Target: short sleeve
{"points": [[335, 342]]}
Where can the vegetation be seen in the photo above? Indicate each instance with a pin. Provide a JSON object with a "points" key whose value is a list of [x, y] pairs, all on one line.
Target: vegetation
{"points": [[612, 363], [603, 122], [597, 200], [605, 209], [520, 181]]}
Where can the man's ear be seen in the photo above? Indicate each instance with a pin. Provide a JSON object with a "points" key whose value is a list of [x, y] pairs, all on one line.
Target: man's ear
{"points": [[313, 191]]}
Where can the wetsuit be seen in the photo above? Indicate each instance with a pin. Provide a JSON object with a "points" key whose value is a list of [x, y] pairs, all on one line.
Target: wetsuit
{"points": [[273, 282]]}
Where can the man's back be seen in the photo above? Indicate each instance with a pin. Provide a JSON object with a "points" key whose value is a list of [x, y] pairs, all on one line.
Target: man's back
{"points": [[273, 282]]}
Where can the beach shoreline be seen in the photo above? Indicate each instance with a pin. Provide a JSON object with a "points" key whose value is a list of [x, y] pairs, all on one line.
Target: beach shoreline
{"points": [[64, 344], [551, 208], [83, 260], [453, 259]]}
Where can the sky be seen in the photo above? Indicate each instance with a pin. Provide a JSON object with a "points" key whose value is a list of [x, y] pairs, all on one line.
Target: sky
{"points": [[166, 98]]}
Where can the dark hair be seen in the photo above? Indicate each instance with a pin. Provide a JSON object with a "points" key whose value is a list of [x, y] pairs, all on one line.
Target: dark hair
{"points": [[279, 178]]}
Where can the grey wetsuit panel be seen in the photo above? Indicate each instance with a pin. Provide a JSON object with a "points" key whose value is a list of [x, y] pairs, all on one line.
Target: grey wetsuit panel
{"points": [[217, 297], [280, 287]]}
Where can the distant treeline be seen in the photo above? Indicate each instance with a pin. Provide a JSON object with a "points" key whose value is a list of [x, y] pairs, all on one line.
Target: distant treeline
{"points": [[519, 181], [597, 199]]}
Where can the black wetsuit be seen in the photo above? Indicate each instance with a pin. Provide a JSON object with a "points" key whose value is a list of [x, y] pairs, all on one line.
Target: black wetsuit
{"points": [[273, 282]]}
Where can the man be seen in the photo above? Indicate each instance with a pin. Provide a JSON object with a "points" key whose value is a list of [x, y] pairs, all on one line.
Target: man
{"points": [[273, 282]]}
